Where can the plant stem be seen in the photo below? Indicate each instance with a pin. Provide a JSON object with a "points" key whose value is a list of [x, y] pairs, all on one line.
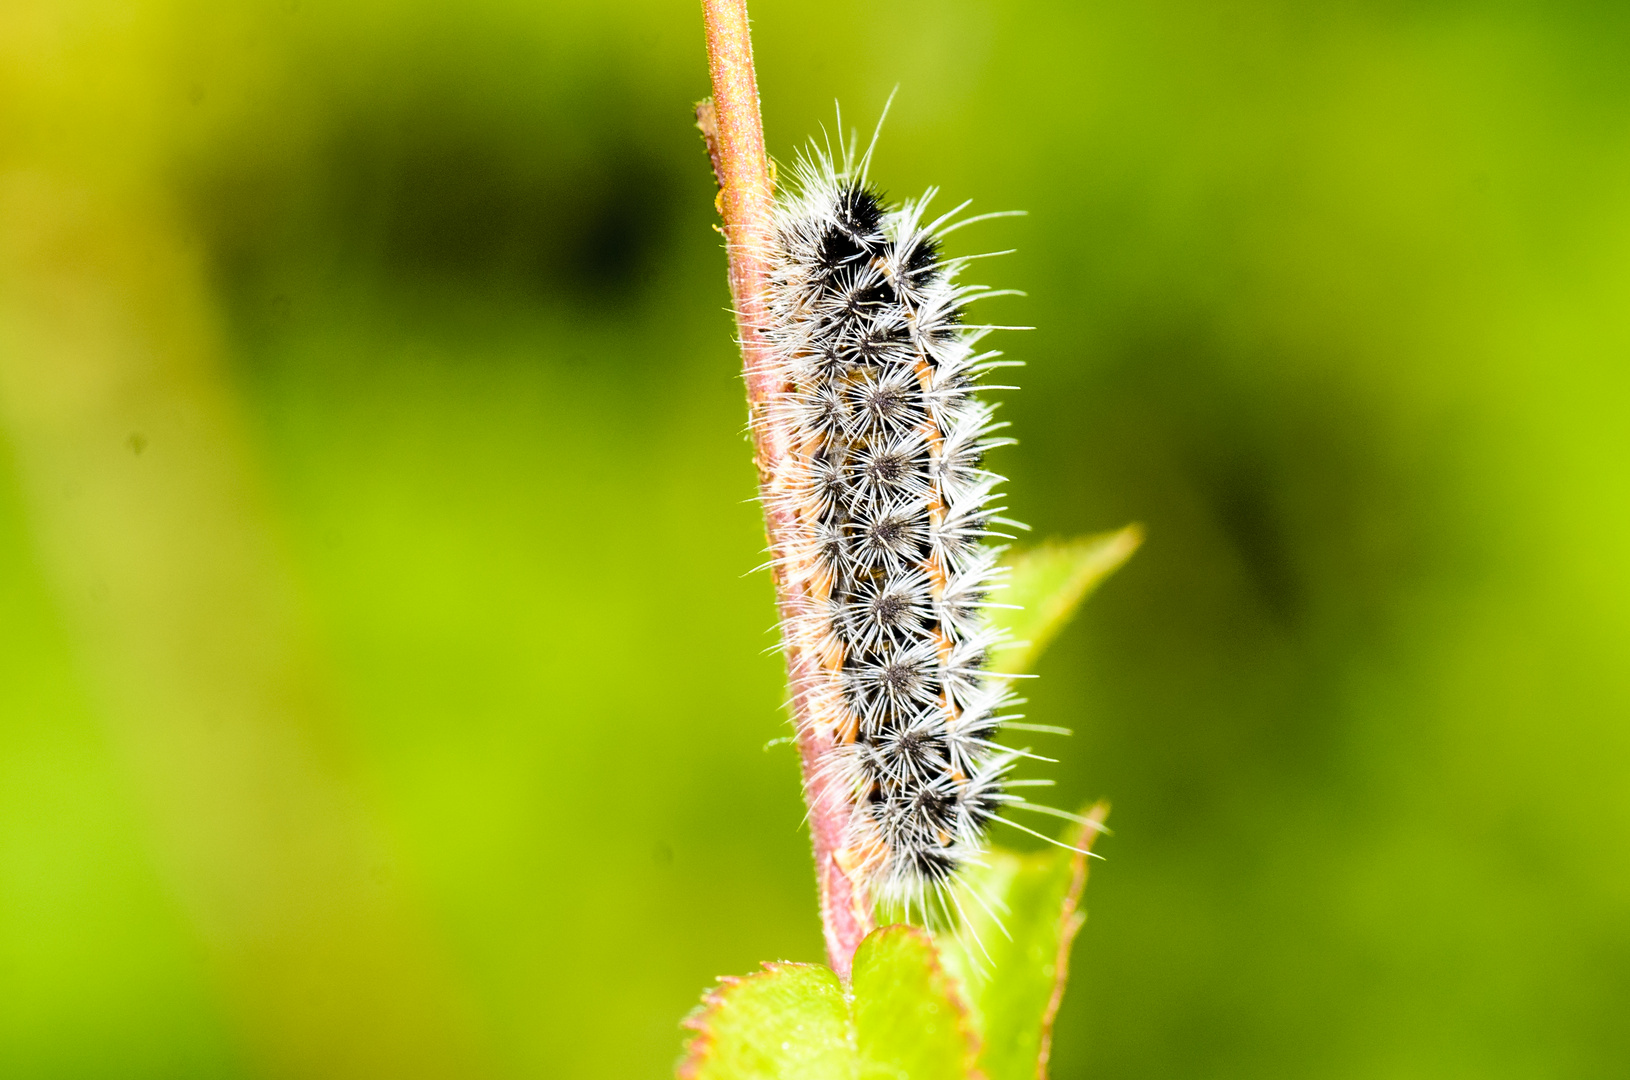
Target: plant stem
{"points": [[735, 137]]}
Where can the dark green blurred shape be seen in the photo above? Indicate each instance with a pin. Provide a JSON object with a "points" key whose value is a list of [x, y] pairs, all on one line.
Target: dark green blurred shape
{"points": [[1334, 298]]}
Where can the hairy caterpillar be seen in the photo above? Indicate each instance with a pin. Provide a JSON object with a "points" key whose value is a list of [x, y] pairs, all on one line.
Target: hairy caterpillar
{"points": [[892, 507]]}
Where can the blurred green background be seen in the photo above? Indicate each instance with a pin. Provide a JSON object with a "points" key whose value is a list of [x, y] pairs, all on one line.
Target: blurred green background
{"points": [[382, 688]]}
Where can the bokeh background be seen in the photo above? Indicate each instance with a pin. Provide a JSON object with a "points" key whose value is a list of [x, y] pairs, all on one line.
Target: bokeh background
{"points": [[382, 685]]}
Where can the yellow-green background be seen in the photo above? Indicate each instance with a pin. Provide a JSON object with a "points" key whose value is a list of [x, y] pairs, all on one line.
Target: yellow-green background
{"points": [[410, 582]]}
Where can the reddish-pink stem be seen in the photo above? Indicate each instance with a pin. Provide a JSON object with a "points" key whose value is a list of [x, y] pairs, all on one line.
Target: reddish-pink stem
{"points": [[735, 136]]}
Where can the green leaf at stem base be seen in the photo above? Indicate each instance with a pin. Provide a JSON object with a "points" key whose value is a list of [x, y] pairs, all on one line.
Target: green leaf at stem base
{"points": [[903, 1019], [973, 1003]]}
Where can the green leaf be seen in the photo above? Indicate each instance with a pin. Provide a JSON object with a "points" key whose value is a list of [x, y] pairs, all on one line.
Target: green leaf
{"points": [[787, 1022], [1014, 981], [976, 1004], [1047, 583], [910, 1019], [904, 1019]]}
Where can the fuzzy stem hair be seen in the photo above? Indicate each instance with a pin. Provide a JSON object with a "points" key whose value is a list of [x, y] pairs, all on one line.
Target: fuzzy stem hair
{"points": [[731, 123]]}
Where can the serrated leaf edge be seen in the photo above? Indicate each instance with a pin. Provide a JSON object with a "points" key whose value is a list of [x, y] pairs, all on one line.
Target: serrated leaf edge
{"points": [[1071, 919], [697, 1050]]}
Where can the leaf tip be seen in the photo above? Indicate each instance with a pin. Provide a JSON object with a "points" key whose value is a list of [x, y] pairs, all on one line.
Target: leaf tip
{"points": [[1047, 584]]}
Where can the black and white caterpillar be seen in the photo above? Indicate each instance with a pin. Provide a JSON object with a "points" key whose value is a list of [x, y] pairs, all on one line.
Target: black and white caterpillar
{"points": [[893, 509]]}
